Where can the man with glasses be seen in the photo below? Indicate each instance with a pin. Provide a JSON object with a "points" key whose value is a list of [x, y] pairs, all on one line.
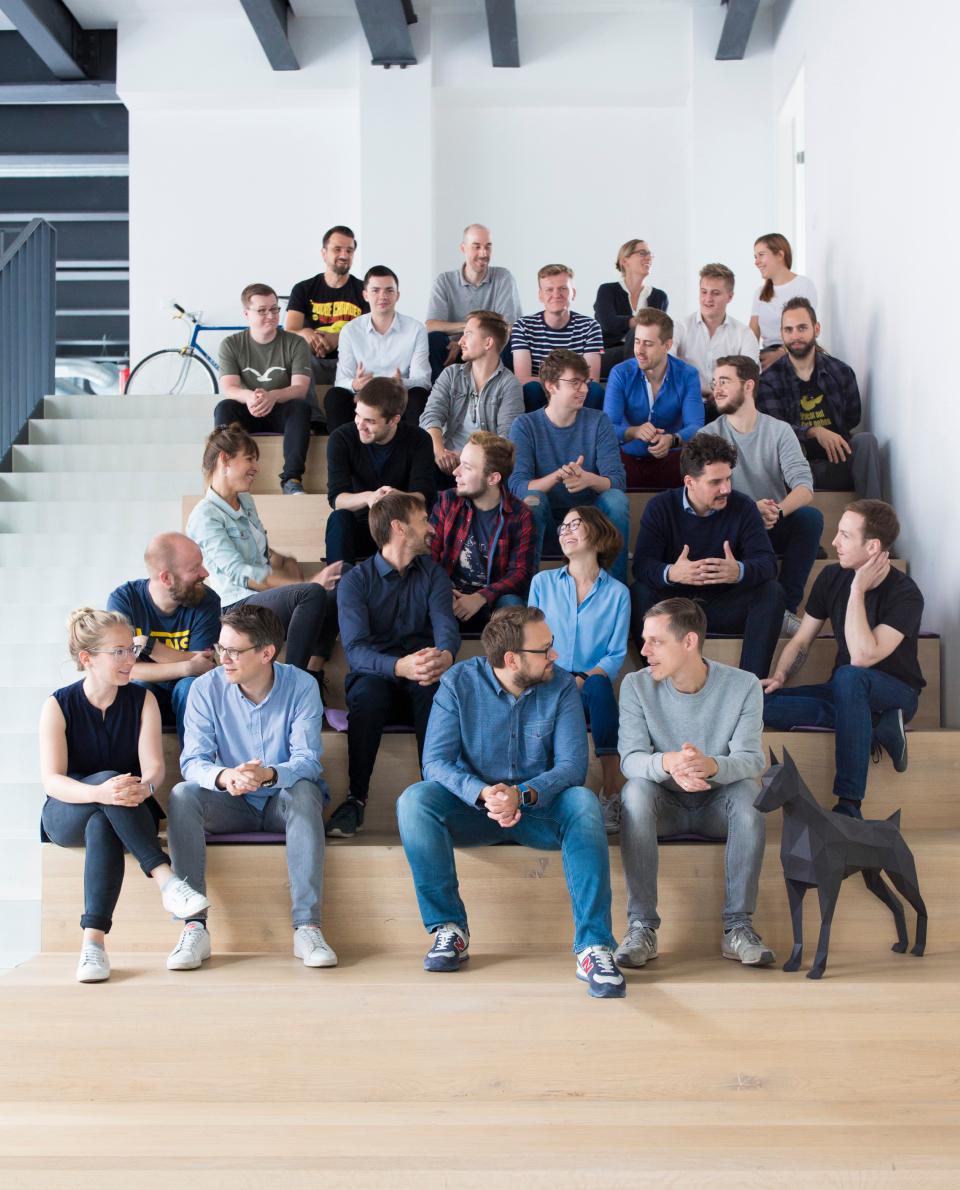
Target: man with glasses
{"points": [[177, 618], [505, 760], [569, 455], [265, 378], [555, 326], [251, 762], [381, 343]]}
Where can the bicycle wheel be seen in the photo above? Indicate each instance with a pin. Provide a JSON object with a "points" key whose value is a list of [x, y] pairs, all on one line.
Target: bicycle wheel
{"points": [[171, 372]]}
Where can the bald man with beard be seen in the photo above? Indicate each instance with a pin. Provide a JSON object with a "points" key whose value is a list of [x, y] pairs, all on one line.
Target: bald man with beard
{"points": [[176, 618]]}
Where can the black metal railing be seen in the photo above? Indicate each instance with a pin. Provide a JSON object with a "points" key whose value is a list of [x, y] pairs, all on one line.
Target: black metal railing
{"points": [[28, 343]]}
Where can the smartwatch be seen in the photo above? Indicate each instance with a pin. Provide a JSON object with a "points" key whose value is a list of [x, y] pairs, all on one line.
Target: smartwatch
{"points": [[779, 514], [527, 795]]}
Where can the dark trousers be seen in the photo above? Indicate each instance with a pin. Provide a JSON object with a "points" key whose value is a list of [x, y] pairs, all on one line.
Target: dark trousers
{"points": [[373, 702], [348, 536], [796, 540], [172, 699], [648, 472], [756, 613], [861, 471], [291, 418], [106, 832], [309, 616], [339, 406]]}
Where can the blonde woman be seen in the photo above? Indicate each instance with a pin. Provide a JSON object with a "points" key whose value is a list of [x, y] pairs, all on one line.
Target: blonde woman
{"points": [[101, 760], [618, 302]]}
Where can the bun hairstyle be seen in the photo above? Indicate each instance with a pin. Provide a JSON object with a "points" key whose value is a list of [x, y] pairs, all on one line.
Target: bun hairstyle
{"points": [[86, 628], [228, 440]]}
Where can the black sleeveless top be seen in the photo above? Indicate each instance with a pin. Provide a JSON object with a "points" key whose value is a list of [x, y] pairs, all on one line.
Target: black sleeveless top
{"points": [[97, 742]]}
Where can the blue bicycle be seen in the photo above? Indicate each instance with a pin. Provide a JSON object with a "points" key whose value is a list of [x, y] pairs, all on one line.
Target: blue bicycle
{"points": [[175, 370]]}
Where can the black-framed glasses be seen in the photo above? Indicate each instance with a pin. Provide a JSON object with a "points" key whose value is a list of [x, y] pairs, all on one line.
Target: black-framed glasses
{"points": [[570, 526], [574, 381], [542, 652], [121, 652], [264, 310], [222, 651]]}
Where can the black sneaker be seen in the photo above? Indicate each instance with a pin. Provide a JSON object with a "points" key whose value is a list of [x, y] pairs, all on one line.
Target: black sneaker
{"points": [[346, 819], [450, 949], [891, 735], [597, 968]]}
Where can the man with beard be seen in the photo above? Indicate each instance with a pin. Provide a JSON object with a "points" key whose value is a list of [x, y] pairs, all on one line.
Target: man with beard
{"points": [[320, 307], [772, 471], [399, 634], [819, 398], [484, 537], [505, 760], [179, 618]]}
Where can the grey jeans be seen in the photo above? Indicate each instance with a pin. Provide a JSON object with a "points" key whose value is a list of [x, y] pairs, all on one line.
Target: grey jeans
{"points": [[861, 471], [298, 811], [727, 812]]}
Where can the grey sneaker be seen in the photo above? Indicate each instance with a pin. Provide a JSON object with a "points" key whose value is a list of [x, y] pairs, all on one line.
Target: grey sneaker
{"points": [[94, 966], [292, 487], [310, 945], [610, 808], [891, 735], [178, 898], [790, 625], [192, 949], [745, 945], [638, 947]]}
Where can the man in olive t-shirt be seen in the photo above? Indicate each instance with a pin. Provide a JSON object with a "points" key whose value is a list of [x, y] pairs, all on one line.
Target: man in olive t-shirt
{"points": [[265, 378]]}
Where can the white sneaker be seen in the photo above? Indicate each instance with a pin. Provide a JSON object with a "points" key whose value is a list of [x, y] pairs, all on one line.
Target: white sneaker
{"points": [[192, 949], [310, 945], [791, 624], [178, 898], [610, 809], [94, 966]]}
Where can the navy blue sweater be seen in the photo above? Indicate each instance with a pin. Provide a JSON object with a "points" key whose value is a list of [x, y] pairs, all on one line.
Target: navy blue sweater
{"points": [[667, 527]]}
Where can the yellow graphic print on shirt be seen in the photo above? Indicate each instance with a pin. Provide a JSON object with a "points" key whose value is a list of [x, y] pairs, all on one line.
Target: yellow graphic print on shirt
{"points": [[173, 640], [812, 412], [334, 316]]}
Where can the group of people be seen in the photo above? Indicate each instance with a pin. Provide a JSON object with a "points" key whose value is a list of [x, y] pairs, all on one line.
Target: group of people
{"points": [[437, 530]]}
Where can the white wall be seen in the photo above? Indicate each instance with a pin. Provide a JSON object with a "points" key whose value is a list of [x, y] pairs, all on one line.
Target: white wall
{"points": [[881, 221]]}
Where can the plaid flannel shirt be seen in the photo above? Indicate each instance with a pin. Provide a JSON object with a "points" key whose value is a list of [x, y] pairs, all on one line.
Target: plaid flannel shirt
{"points": [[514, 546], [780, 389]]}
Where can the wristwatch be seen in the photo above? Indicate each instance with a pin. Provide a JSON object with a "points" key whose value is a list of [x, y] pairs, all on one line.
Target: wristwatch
{"points": [[677, 440], [526, 795], [272, 780], [779, 514], [147, 648]]}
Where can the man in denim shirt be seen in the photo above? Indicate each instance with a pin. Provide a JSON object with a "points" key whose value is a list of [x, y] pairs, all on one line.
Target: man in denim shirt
{"points": [[506, 751]]}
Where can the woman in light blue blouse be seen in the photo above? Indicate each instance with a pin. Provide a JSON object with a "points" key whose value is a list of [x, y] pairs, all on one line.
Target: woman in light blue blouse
{"points": [[242, 566], [588, 611]]}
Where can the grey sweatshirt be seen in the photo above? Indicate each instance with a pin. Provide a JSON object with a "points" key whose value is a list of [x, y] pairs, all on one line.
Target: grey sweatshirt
{"points": [[724, 720], [770, 460]]}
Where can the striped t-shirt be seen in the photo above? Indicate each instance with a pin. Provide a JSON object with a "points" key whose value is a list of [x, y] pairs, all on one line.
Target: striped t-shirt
{"points": [[581, 334]]}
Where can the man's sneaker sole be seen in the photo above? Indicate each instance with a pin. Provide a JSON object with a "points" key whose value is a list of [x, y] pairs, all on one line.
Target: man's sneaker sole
{"points": [[339, 833], [172, 965], [453, 964], [767, 959], [624, 960], [604, 991]]}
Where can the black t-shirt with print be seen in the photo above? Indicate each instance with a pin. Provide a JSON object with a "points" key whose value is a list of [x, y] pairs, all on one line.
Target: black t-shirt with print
{"points": [[325, 308], [817, 409]]}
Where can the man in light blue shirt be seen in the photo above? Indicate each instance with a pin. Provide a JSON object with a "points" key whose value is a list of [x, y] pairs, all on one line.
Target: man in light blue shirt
{"points": [[253, 707], [506, 751]]}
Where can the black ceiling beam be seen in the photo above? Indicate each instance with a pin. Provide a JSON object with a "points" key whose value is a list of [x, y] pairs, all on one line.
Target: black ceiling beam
{"points": [[269, 21], [53, 34], [736, 29], [385, 26], [502, 27]]}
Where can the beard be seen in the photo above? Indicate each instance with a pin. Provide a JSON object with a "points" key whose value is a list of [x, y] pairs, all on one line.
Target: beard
{"points": [[800, 351], [188, 594], [525, 680]]}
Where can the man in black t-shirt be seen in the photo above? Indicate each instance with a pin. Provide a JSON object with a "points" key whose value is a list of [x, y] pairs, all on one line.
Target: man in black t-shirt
{"points": [[875, 613], [320, 307]]}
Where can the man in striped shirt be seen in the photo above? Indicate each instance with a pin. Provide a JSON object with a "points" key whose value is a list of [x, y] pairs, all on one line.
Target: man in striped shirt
{"points": [[535, 336]]}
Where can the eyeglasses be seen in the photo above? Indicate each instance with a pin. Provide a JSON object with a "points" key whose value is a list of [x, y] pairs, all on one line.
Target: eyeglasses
{"points": [[121, 653], [570, 526], [227, 654], [641, 252], [574, 382], [542, 652], [265, 310]]}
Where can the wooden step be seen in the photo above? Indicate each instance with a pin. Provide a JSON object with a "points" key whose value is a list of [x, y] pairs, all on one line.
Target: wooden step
{"points": [[516, 899], [295, 524]]}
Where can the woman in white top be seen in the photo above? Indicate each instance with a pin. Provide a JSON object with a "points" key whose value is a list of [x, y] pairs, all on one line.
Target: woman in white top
{"points": [[773, 257]]}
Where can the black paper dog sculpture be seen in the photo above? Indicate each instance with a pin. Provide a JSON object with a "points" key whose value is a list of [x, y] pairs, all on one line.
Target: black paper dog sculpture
{"points": [[820, 850]]}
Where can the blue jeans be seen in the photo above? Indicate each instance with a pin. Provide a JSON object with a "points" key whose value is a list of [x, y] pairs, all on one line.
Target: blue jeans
{"points": [[649, 809], [601, 712], [172, 700], [535, 397], [433, 821], [847, 703], [796, 539], [614, 505]]}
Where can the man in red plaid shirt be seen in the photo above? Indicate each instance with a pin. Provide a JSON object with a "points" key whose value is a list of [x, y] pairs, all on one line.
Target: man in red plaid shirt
{"points": [[485, 537]]}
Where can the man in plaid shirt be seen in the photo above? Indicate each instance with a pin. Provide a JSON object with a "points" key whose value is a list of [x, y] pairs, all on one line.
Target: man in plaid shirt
{"points": [[485, 537]]}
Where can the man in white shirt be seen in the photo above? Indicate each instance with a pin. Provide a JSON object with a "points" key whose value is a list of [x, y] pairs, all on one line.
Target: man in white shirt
{"points": [[381, 343], [703, 337]]}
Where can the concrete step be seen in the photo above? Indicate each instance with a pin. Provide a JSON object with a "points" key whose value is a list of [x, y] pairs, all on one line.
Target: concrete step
{"points": [[128, 487], [85, 548], [144, 517], [172, 409], [78, 586], [48, 623], [139, 433]]}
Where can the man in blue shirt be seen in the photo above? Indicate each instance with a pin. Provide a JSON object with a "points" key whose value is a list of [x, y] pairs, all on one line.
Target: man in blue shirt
{"points": [[399, 633], [253, 707], [178, 617], [654, 403], [568, 455], [505, 759]]}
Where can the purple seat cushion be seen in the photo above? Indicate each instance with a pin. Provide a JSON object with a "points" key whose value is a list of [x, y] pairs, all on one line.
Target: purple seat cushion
{"points": [[688, 837], [338, 720], [248, 837]]}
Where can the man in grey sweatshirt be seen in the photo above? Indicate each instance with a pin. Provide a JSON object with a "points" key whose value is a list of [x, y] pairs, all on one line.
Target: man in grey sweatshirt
{"points": [[690, 746], [773, 471]]}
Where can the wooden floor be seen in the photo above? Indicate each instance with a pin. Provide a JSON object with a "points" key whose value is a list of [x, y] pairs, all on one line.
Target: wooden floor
{"points": [[256, 1072]]}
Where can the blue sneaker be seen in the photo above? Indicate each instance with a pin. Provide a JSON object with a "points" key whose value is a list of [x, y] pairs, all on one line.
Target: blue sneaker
{"points": [[292, 487], [597, 968], [449, 949]]}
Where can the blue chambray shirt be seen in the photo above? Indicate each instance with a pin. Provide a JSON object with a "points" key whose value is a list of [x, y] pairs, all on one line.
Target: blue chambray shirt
{"points": [[593, 633], [479, 733], [223, 728]]}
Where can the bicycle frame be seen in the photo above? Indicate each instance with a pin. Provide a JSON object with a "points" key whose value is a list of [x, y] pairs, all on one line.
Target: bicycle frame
{"points": [[198, 329]]}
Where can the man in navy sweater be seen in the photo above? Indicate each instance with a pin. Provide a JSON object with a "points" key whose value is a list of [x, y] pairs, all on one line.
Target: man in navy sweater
{"points": [[706, 542]]}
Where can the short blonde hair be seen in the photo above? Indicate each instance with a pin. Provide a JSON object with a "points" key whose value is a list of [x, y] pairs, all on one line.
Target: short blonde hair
{"points": [[86, 628], [555, 270]]}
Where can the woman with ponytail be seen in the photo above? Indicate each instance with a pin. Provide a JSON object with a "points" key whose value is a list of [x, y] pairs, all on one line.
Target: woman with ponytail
{"points": [[773, 257]]}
